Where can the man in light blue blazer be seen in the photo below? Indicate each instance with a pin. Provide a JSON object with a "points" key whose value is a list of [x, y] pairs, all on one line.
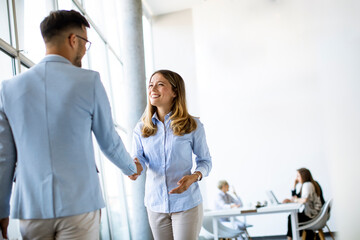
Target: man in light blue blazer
{"points": [[47, 117]]}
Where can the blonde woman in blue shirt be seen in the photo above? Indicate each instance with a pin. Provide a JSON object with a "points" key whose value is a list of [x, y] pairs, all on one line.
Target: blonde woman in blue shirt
{"points": [[164, 142]]}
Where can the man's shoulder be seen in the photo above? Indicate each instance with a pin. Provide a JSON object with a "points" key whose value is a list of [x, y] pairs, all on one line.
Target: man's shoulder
{"points": [[13, 79], [69, 68], [70, 72]]}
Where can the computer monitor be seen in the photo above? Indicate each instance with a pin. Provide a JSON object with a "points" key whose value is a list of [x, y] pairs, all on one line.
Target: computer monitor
{"points": [[272, 198]]}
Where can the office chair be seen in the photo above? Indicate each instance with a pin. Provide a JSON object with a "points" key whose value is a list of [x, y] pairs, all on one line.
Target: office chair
{"points": [[319, 222], [234, 225], [207, 231]]}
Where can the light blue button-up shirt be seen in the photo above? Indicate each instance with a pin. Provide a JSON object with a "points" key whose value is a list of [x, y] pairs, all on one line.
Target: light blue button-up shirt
{"points": [[168, 158]]}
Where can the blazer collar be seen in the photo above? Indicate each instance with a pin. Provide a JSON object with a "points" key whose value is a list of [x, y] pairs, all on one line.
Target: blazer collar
{"points": [[55, 58]]}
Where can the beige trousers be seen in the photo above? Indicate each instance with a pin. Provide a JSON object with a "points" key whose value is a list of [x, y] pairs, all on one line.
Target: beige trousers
{"points": [[184, 225], [79, 227]]}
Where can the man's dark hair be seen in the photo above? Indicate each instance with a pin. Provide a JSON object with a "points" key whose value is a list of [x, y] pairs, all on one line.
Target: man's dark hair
{"points": [[59, 21]]}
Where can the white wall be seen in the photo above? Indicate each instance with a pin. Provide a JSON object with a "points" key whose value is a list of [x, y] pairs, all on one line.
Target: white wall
{"points": [[173, 48], [262, 74], [341, 97]]}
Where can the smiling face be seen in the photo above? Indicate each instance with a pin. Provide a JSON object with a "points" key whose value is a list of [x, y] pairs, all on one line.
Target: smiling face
{"points": [[161, 94]]}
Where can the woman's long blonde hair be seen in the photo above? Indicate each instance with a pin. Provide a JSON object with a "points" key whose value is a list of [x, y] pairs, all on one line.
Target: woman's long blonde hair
{"points": [[181, 121]]}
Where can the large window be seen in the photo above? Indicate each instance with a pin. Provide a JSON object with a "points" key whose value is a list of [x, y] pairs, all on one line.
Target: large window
{"points": [[7, 66], [21, 45], [116, 74], [4, 20], [29, 14], [149, 63]]}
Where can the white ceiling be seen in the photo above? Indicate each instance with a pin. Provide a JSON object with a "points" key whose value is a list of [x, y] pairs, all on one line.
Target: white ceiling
{"points": [[158, 7]]}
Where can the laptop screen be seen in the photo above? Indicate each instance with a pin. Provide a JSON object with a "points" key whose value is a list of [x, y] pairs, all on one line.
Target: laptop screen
{"points": [[272, 198]]}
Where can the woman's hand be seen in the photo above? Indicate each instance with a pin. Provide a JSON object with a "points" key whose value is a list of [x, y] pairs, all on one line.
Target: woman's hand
{"points": [[139, 169], [184, 183], [286, 200], [296, 182]]}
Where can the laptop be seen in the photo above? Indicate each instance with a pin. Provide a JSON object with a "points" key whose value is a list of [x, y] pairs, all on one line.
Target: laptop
{"points": [[272, 198]]}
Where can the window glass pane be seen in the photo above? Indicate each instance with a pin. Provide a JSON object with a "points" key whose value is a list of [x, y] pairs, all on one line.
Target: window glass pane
{"points": [[104, 226], [29, 15], [116, 203], [24, 68], [6, 63], [118, 89], [149, 65], [66, 5], [4, 20], [94, 8], [115, 211], [112, 27], [98, 59]]}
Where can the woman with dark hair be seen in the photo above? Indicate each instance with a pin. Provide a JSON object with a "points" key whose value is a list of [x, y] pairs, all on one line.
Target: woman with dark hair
{"points": [[164, 142], [310, 195]]}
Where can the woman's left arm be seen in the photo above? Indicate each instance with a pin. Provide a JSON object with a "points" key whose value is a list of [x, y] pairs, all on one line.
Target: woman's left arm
{"points": [[306, 190], [201, 151], [299, 200]]}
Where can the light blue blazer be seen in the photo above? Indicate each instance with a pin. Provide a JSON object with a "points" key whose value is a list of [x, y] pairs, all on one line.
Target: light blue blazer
{"points": [[47, 117]]}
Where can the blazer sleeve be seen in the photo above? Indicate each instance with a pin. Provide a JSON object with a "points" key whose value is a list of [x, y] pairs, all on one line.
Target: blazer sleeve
{"points": [[104, 130], [7, 161]]}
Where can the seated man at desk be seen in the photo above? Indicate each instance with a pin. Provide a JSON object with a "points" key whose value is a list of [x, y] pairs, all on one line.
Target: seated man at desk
{"points": [[224, 200]]}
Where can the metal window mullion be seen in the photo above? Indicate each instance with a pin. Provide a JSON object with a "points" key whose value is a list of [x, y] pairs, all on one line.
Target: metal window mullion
{"points": [[25, 60], [109, 81], [115, 54], [56, 4], [9, 20], [16, 37], [8, 48], [10, 51], [82, 10]]}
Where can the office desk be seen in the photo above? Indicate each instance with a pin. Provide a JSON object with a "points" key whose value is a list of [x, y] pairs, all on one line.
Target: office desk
{"points": [[291, 208]]}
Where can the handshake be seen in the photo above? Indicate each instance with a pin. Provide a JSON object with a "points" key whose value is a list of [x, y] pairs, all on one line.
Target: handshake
{"points": [[139, 169]]}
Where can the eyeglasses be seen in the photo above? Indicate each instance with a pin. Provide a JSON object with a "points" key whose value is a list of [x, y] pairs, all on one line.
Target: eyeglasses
{"points": [[87, 44]]}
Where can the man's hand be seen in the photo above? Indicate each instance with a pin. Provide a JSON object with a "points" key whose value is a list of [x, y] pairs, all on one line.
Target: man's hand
{"points": [[184, 183], [139, 169], [4, 223]]}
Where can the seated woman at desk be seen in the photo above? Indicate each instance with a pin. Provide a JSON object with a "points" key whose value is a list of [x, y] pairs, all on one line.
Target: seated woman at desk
{"points": [[310, 195], [224, 200]]}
